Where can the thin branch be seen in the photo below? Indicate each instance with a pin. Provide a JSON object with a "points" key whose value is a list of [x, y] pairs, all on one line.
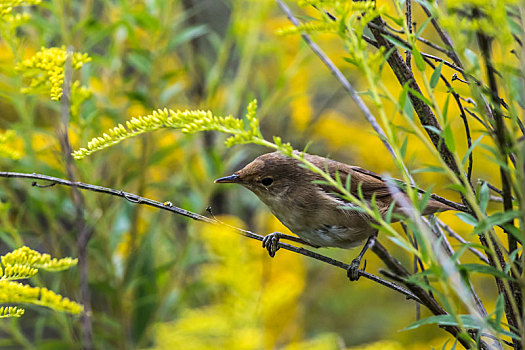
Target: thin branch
{"points": [[342, 79], [463, 117], [170, 207], [408, 15], [460, 239], [444, 38], [82, 229], [485, 43], [399, 273]]}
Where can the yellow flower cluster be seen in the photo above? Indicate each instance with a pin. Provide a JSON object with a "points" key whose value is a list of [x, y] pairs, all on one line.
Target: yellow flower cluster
{"points": [[14, 292], [6, 142], [57, 302], [15, 20], [309, 27], [46, 70], [28, 257], [24, 263], [187, 121], [6, 6], [16, 272], [10, 311]]}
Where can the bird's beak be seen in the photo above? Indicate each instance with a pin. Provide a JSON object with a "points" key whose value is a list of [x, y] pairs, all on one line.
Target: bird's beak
{"points": [[228, 179]]}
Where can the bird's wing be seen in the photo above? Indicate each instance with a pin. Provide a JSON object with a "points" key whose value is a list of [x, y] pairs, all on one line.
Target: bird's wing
{"points": [[370, 183]]}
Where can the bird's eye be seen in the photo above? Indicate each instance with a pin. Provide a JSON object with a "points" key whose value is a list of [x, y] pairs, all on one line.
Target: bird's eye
{"points": [[267, 181]]}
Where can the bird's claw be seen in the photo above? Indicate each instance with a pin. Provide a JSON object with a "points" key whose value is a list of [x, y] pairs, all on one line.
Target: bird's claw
{"points": [[353, 269], [270, 242]]}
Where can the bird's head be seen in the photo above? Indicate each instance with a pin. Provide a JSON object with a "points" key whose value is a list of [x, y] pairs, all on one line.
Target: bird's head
{"points": [[269, 175]]}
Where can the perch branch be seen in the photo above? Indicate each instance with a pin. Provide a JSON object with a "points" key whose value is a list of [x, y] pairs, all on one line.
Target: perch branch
{"points": [[169, 207]]}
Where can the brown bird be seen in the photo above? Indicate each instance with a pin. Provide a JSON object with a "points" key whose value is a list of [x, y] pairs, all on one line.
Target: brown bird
{"points": [[315, 211]]}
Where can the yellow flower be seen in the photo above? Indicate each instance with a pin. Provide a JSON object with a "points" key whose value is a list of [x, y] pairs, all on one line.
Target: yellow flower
{"points": [[6, 6], [46, 70]]}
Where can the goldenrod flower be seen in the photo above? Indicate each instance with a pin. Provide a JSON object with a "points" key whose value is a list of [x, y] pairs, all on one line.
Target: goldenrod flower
{"points": [[24, 263], [6, 6], [46, 70]]}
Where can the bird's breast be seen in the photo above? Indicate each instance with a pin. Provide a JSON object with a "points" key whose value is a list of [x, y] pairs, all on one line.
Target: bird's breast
{"points": [[322, 228]]}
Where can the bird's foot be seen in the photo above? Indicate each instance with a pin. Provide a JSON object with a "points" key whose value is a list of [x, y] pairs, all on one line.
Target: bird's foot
{"points": [[353, 269], [270, 242]]}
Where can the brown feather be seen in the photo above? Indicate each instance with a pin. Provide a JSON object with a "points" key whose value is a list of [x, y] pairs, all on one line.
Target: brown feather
{"points": [[313, 210]]}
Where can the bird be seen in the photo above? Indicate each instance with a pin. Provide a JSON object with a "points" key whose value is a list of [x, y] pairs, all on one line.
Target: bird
{"points": [[314, 210]]}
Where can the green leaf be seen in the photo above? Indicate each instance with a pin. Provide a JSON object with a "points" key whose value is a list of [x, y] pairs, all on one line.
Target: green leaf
{"points": [[348, 183], [423, 201], [388, 215], [434, 79], [449, 138], [433, 129], [188, 35], [429, 169], [495, 220], [351, 61], [513, 230], [396, 42], [457, 187], [484, 196], [421, 97], [485, 269], [420, 62], [499, 310], [470, 149], [423, 26], [445, 108], [467, 218], [403, 149], [447, 320]]}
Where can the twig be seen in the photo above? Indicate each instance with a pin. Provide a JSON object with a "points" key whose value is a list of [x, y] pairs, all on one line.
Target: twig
{"points": [[170, 207], [460, 239], [463, 117], [399, 273], [485, 46], [82, 228], [342, 79], [444, 38], [409, 26]]}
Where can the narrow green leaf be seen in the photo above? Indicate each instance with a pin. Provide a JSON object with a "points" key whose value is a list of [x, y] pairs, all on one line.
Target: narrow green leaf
{"points": [[467, 218], [421, 97], [403, 149], [348, 183], [499, 310], [446, 320], [397, 42], [429, 169], [445, 108], [433, 129], [350, 60], [420, 62], [423, 26], [470, 149], [423, 201], [495, 220], [434, 79], [449, 138], [457, 187], [484, 196], [485, 269], [388, 215]]}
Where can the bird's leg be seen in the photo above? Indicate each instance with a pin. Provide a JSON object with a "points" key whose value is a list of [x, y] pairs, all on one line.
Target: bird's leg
{"points": [[270, 241], [353, 269]]}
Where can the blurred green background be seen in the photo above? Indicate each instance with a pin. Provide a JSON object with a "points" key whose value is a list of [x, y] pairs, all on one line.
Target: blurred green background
{"points": [[159, 280]]}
